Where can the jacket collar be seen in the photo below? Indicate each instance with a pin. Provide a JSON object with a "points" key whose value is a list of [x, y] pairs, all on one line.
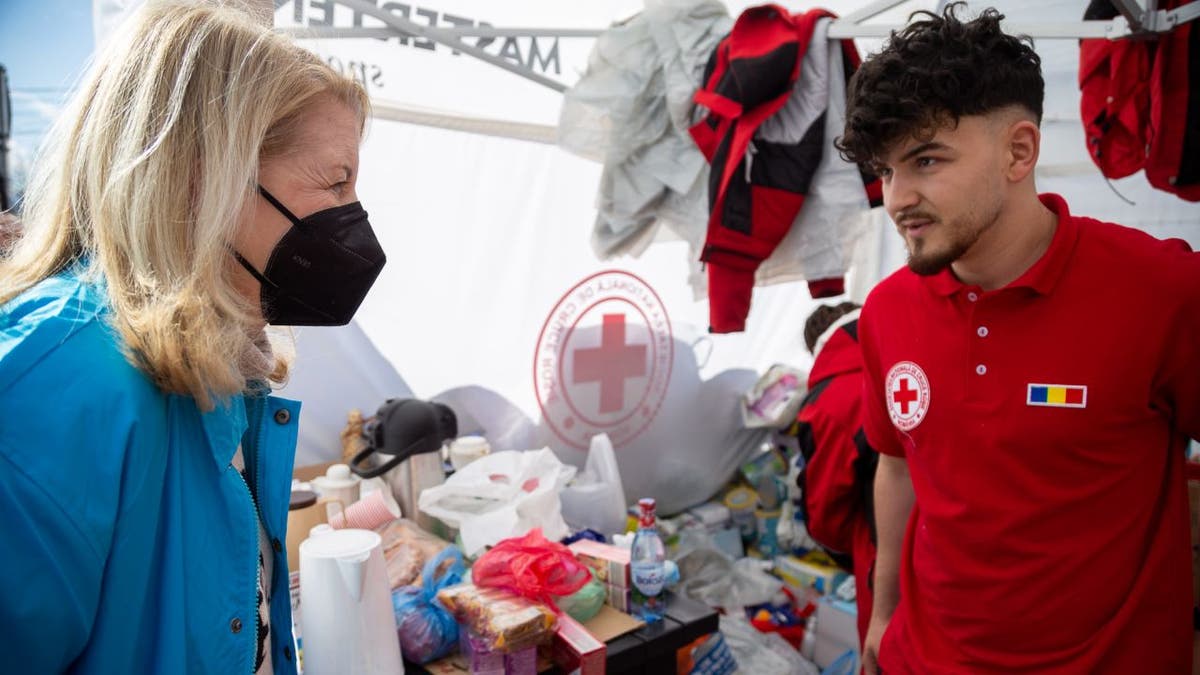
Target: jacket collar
{"points": [[224, 425]]}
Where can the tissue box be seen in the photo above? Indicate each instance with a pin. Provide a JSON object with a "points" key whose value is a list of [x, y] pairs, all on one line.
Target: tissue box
{"points": [[800, 574], [608, 563], [577, 651]]}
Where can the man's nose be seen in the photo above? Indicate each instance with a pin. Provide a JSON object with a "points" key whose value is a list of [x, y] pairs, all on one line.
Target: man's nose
{"points": [[899, 195]]}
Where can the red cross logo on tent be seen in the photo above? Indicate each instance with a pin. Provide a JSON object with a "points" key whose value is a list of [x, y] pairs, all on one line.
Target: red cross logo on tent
{"points": [[611, 363], [907, 395], [603, 360]]}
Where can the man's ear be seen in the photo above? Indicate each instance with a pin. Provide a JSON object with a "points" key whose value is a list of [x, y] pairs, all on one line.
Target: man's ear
{"points": [[1024, 142]]}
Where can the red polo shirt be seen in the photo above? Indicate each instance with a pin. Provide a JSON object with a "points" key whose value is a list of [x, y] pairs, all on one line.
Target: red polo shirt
{"points": [[1044, 425]]}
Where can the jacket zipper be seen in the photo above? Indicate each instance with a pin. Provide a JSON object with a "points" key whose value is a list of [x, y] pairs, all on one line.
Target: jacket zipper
{"points": [[258, 581]]}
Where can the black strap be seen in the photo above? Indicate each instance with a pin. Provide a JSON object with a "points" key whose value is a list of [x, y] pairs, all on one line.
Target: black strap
{"points": [[282, 209]]}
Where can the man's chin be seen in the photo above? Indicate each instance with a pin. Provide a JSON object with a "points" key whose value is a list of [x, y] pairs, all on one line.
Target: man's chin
{"points": [[926, 266]]}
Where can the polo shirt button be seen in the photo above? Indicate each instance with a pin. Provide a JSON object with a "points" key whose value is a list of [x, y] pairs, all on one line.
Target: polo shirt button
{"points": [[982, 332], [282, 416], [235, 626], [980, 369], [287, 652], [972, 296], [276, 545]]}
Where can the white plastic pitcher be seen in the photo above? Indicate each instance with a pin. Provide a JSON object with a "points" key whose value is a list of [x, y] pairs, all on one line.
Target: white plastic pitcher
{"points": [[347, 622]]}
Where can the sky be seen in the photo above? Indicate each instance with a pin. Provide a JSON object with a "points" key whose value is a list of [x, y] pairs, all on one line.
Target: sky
{"points": [[44, 45]]}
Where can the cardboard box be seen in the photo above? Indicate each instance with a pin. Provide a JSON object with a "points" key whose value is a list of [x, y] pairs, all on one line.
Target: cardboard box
{"points": [[801, 574], [608, 563], [575, 650], [836, 630]]}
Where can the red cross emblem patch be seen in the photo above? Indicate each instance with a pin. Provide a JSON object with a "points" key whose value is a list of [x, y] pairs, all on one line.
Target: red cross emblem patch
{"points": [[906, 391]]}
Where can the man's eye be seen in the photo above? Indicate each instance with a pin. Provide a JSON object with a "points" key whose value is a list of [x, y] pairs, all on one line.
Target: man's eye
{"points": [[882, 172], [925, 162]]}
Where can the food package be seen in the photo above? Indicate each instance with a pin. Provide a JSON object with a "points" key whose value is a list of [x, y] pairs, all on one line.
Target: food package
{"points": [[406, 549], [575, 650], [507, 621], [608, 563]]}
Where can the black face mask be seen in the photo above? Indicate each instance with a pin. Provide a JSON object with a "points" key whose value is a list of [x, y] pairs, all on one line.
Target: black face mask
{"points": [[322, 268]]}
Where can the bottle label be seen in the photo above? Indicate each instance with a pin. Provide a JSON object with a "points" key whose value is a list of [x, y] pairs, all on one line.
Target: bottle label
{"points": [[648, 577]]}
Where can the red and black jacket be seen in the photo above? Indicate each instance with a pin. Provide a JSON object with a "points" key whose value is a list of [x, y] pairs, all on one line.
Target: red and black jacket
{"points": [[749, 78]]}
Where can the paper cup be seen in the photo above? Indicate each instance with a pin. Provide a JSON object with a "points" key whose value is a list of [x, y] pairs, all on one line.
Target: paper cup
{"points": [[367, 513]]}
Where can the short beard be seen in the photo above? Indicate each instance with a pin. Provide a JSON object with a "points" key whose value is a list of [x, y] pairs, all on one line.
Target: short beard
{"points": [[929, 265]]}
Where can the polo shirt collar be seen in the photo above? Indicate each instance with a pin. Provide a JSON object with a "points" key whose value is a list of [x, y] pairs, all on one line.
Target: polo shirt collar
{"points": [[1044, 274]]}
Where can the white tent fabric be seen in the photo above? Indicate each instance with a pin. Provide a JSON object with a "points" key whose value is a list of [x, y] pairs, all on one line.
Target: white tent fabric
{"points": [[488, 238]]}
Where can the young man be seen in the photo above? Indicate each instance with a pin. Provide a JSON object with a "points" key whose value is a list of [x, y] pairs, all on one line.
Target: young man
{"points": [[839, 465], [1031, 379]]}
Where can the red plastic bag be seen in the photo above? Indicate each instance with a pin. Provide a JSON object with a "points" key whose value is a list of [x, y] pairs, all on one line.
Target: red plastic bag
{"points": [[533, 567]]}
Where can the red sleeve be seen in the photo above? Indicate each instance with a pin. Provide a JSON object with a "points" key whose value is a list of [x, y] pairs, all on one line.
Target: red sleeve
{"points": [[832, 497], [1177, 382], [877, 425]]}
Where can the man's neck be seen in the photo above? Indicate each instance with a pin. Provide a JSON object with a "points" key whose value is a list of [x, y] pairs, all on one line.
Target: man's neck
{"points": [[1008, 248]]}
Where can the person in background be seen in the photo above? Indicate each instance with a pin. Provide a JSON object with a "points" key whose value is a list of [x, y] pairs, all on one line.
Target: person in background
{"points": [[839, 466], [1030, 501], [202, 186]]}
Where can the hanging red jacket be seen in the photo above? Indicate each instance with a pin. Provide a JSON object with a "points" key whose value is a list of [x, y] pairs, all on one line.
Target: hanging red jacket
{"points": [[1138, 104], [753, 202], [1173, 162], [1114, 102], [839, 471]]}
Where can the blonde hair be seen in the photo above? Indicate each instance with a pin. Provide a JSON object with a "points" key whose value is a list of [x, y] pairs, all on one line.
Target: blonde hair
{"points": [[150, 170]]}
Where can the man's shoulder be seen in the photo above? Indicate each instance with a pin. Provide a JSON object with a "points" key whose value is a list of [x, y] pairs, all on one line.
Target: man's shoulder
{"points": [[1128, 255], [902, 283]]}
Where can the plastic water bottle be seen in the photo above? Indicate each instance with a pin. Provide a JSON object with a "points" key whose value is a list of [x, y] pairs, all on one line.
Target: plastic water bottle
{"points": [[647, 562]]}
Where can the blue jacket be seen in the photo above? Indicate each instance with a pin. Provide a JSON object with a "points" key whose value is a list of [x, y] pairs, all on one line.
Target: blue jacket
{"points": [[130, 543]]}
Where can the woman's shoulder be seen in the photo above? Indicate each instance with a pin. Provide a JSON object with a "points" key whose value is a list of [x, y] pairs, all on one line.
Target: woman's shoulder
{"points": [[57, 335]]}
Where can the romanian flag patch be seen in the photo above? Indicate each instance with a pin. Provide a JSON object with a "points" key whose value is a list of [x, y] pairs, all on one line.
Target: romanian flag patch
{"points": [[1057, 395]]}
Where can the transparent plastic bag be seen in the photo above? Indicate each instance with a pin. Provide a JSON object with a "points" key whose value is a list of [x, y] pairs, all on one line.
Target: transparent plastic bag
{"points": [[757, 652]]}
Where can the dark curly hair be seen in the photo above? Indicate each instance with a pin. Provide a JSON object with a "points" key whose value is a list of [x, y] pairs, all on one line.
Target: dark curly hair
{"points": [[822, 318], [935, 71]]}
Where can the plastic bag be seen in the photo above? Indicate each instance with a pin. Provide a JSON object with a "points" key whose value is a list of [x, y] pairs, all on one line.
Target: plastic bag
{"points": [[502, 495], [709, 576], [406, 549], [757, 652], [775, 398], [532, 567], [596, 499], [427, 631], [585, 603]]}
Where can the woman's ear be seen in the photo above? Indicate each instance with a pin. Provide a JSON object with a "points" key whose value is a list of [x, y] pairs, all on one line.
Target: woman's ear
{"points": [[1024, 143]]}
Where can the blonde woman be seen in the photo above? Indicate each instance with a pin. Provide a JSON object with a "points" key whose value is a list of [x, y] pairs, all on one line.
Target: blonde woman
{"points": [[203, 186]]}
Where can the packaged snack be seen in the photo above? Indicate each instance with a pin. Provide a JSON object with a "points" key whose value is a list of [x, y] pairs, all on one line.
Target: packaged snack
{"points": [[508, 622], [608, 563], [406, 549]]}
